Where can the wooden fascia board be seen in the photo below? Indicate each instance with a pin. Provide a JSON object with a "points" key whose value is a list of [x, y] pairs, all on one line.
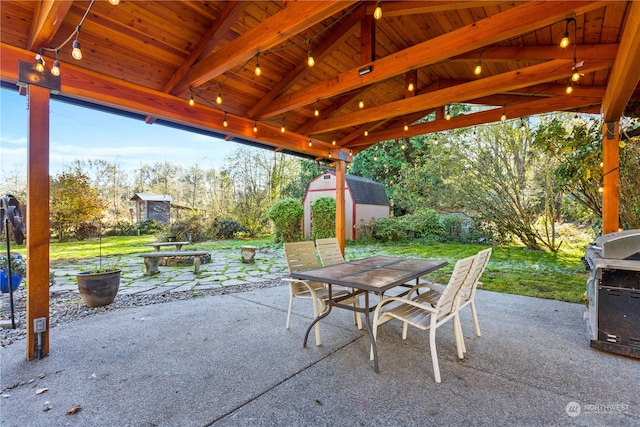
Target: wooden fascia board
{"points": [[319, 53], [625, 73], [541, 53], [294, 18], [560, 103], [513, 22], [512, 80], [89, 86], [47, 21]]}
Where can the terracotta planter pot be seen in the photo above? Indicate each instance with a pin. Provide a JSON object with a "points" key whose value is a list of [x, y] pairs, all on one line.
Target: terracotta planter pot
{"points": [[98, 289]]}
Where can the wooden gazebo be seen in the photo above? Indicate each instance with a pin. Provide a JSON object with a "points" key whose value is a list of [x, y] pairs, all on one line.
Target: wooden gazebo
{"points": [[379, 67]]}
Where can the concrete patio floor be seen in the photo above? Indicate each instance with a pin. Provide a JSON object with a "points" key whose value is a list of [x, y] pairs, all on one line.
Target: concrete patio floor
{"points": [[228, 360]]}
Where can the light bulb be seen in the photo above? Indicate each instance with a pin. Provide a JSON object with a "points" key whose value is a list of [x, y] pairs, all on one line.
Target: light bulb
{"points": [[411, 86], [255, 127], [310, 143], [76, 52], [114, 2], [406, 128], [361, 103], [447, 116], [39, 63], [575, 76], [402, 147], [601, 164], [282, 128], [569, 89], [600, 190], [219, 99], [192, 101], [310, 60], [258, 71], [377, 14], [224, 122], [565, 40], [329, 154], [522, 125], [503, 117], [478, 70], [366, 132], [316, 112], [435, 141], [333, 142], [55, 69]]}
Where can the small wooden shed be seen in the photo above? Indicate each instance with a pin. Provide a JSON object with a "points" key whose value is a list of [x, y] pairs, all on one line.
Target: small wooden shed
{"points": [[153, 206], [364, 199]]}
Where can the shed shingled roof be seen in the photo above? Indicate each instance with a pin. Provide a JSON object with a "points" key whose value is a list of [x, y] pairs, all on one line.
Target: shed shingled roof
{"points": [[148, 197], [367, 192]]}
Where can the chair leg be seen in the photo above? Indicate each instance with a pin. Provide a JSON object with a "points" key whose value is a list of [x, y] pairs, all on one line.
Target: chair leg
{"points": [[457, 333], [356, 316], [434, 353], [316, 313], [475, 318], [289, 312]]}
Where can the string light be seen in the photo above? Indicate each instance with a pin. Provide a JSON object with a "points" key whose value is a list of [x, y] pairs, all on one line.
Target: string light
{"points": [[575, 75], [600, 190], [39, 64], [411, 86], [282, 128], [55, 69], [406, 127], [114, 2], [522, 125], [258, 71], [316, 112], [255, 126], [361, 103], [76, 52], [478, 70], [224, 122], [447, 116], [435, 141], [329, 154], [192, 101], [310, 143], [310, 61], [569, 89], [366, 132], [564, 42], [219, 96], [402, 147], [333, 142], [504, 114], [377, 13]]}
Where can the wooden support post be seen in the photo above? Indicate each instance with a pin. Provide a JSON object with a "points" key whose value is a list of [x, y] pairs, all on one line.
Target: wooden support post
{"points": [[611, 178], [38, 217], [341, 179]]}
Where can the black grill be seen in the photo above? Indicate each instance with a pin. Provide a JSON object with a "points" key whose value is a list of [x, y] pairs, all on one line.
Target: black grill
{"points": [[613, 290]]}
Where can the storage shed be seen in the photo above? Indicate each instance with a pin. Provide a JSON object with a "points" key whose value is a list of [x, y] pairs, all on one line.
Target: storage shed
{"points": [[364, 199], [153, 206]]}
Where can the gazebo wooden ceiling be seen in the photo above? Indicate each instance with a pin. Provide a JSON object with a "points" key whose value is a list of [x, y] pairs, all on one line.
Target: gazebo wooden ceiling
{"points": [[148, 58]]}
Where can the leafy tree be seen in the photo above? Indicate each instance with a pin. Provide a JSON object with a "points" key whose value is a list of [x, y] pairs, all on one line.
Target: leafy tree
{"points": [[73, 202]]}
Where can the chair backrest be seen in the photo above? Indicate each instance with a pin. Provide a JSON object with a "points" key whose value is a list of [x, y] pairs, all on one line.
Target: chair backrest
{"points": [[329, 251], [447, 302], [301, 255], [468, 289]]}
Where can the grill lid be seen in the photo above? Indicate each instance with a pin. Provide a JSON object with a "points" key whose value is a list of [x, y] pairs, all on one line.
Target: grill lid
{"points": [[620, 245]]}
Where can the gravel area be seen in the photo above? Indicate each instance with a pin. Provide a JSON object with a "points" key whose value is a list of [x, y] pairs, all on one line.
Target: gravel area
{"points": [[66, 307]]}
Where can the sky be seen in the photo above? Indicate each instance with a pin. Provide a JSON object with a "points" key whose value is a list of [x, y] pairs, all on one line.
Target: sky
{"points": [[83, 133]]}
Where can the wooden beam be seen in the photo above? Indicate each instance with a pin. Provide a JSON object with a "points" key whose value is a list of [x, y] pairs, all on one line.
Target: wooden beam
{"points": [[320, 53], [48, 18], [560, 103], [625, 73], [79, 83], [610, 177], [37, 217], [404, 8], [291, 20], [341, 180], [541, 53], [536, 74], [513, 22]]}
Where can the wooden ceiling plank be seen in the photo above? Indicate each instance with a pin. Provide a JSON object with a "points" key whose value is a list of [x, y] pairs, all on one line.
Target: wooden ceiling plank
{"points": [[48, 19], [400, 8], [542, 53], [513, 22], [625, 73], [344, 30], [560, 103], [536, 74], [294, 18]]}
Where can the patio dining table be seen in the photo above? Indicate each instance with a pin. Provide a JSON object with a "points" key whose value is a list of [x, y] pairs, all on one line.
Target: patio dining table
{"points": [[376, 274]]}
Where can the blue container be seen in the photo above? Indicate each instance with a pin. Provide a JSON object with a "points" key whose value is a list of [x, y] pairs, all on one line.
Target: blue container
{"points": [[16, 279]]}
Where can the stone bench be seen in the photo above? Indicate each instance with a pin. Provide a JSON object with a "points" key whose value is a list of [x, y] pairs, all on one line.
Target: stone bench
{"points": [[151, 259]]}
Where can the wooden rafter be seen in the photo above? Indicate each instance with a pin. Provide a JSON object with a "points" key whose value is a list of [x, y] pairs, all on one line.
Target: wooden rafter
{"points": [[294, 18], [513, 22], [49, 18]]}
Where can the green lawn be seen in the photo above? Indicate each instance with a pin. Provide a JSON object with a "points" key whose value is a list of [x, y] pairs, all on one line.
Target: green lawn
{"points": [[512, 269]]}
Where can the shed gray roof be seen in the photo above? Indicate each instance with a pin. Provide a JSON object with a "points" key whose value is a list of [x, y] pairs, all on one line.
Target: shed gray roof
{"points": [[367, 192], [148, 197]]}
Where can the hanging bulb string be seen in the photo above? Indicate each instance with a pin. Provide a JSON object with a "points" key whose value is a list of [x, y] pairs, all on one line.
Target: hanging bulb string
{"points": [[74, 34]]}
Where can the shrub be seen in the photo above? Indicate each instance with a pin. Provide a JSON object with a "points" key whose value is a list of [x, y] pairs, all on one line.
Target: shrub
{"points": [[323, 211], [452, 227], [191, 229], [150, 226], [225, 228], [424, 223], [287, 220], [122, 228], [390, 230], [84, 230]]}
